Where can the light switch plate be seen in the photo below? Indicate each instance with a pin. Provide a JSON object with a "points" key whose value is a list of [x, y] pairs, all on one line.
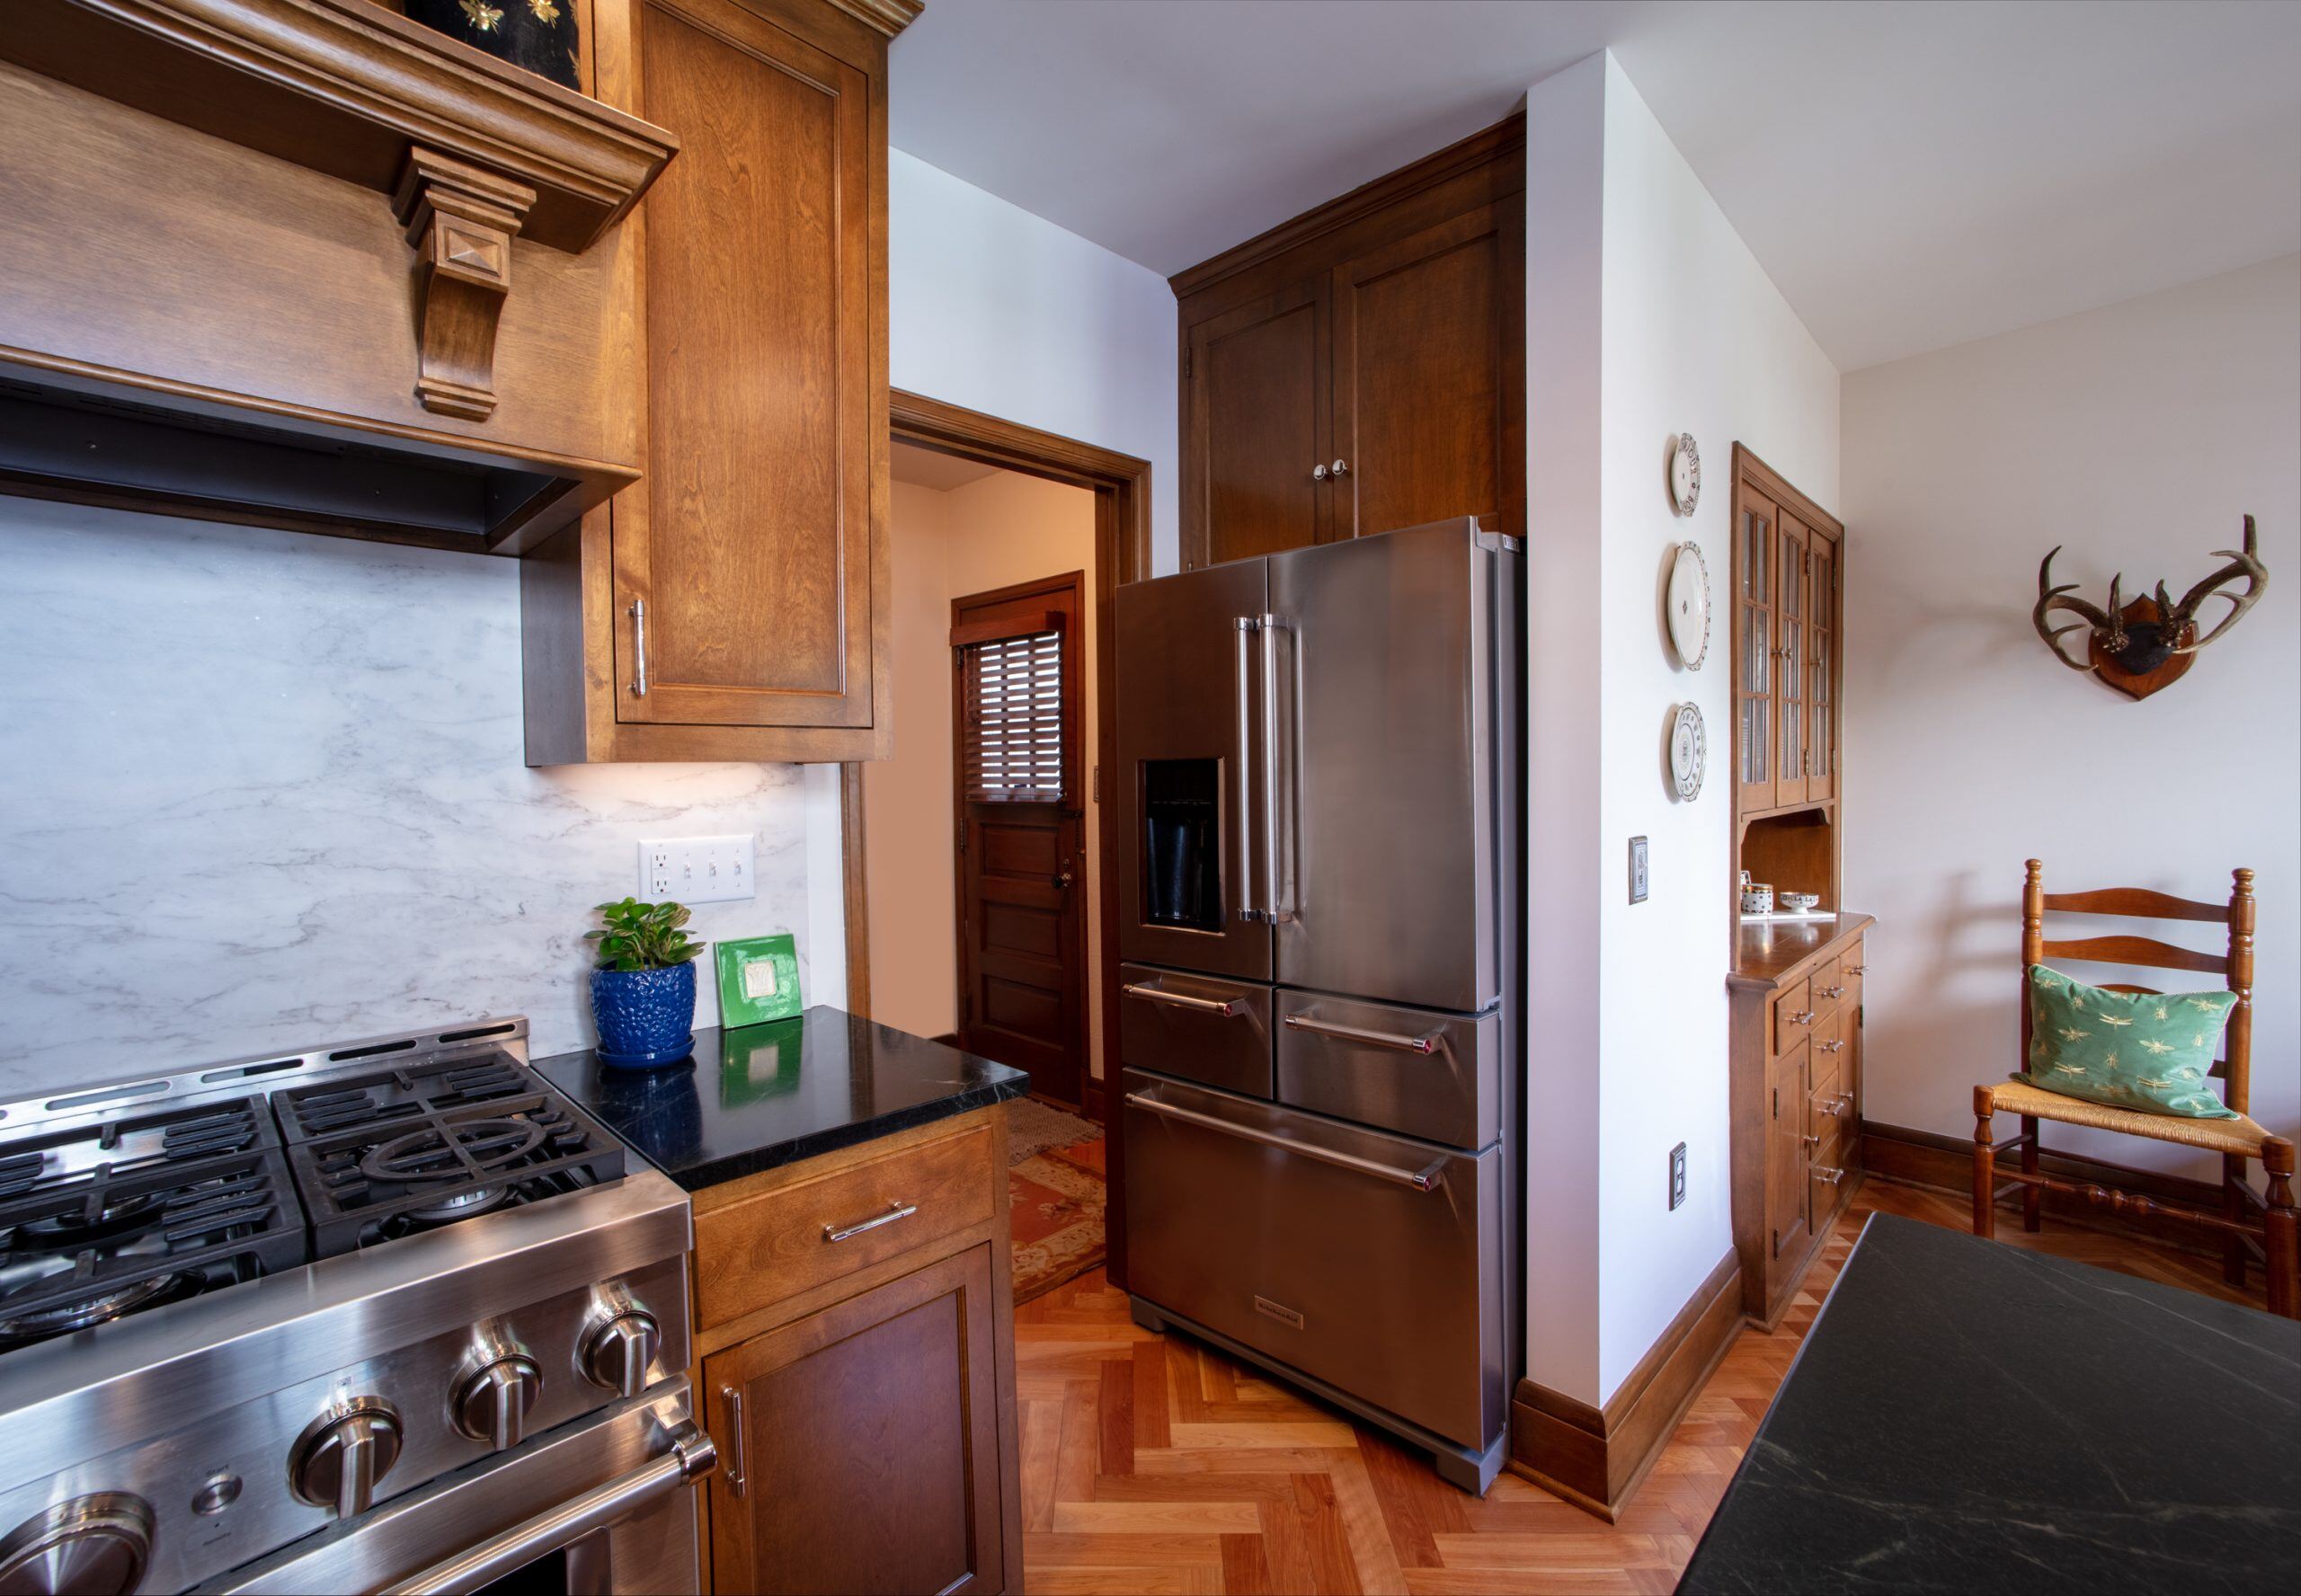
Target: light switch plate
{"points": [[1637, 882], [693, 870]]}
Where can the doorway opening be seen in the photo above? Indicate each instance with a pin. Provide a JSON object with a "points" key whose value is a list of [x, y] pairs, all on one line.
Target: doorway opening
{"points": [[959, 472]]}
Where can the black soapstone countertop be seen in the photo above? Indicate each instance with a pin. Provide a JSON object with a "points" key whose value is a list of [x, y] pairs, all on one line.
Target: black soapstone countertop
{"points": [[765, 1095], [1966, 1416]]}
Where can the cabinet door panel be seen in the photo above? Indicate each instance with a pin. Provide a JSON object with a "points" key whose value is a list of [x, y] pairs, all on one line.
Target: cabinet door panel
{"points": [[750, 540], [1258, 429], [1820, 666], [868, 1451], [1754, 599], [1427, 405], [1787, 1201]]}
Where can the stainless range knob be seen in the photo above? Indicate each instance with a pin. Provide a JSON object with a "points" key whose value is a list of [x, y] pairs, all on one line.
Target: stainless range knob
{"points": [[95, 1544], [339, 1458], [617, 1352], [492, 1405]]}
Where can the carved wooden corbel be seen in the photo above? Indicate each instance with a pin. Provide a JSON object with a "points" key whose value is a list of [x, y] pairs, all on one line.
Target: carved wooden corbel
{"points": [[461, 218]]}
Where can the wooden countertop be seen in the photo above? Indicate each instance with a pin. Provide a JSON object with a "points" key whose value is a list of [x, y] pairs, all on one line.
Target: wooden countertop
{"points": [[1772, 954]]}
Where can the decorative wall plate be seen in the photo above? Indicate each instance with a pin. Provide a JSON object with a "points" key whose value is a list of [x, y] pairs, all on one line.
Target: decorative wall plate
{"points": [[1689, 606], [1686, 474], [1689, 751]]}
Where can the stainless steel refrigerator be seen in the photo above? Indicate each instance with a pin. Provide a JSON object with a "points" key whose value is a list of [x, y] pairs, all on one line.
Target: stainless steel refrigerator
{"points": [[1320, 999]]}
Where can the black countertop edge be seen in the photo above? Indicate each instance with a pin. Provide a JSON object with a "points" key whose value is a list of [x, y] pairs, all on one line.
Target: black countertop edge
{"points": [[762, 1096]]}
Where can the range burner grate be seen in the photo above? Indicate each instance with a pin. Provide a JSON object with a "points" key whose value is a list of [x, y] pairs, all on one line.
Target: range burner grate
{"points": [[410, 1149], [99, 1221]]}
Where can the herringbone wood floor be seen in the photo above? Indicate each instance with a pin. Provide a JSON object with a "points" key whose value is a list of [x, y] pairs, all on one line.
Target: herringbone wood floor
{"points": [[1151, 1464]]}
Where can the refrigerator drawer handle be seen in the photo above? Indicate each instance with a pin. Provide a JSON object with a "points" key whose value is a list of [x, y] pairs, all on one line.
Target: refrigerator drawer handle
{"points": [[1425, 1179], [1429, 1043], [1229, 1009]]}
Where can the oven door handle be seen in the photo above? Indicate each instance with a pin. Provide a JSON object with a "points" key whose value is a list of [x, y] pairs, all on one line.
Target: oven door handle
{"points": [[692, 1456]]}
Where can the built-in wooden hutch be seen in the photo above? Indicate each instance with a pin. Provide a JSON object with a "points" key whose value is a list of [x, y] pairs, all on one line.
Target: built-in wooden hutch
{"points": [[1797, 982]]}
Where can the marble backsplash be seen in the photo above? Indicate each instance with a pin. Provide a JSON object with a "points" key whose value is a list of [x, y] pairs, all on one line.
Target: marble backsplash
{"points": [[264, 790]]}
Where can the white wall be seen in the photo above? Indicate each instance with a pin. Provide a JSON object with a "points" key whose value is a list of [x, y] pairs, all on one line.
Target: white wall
{"points": [[2137, 435], [997, 531], [1000, 311], [265, 790], [1630, 1000]]}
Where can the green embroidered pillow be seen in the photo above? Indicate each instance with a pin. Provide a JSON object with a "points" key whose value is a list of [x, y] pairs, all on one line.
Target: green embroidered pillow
{"points": [[2130, 1049]]}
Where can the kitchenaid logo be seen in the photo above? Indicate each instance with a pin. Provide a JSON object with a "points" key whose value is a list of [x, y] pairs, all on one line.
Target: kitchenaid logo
{"points": [[1284, 1315]]}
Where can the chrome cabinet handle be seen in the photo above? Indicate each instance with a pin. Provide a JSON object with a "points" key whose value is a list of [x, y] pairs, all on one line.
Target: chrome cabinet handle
{"points": [[1836, 1107], [691, 1456], [1811, 1141], [1318, 473], [1242, 626], [639, 647], [1833, 991], [1429, 1043], [734, 1401], [1425, 1179], [1228, 1009], [896, 1210], [1857, 970], [1342, 468], [1835, 1045], [1274, 909], [1804, 1016], [1832, 1176]]}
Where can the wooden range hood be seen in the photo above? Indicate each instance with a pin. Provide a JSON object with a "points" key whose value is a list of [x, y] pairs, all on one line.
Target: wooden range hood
{"points": [[305, 263]]}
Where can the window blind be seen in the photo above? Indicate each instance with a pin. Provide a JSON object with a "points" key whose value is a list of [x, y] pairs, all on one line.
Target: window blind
{"points": [[1012, 698]]}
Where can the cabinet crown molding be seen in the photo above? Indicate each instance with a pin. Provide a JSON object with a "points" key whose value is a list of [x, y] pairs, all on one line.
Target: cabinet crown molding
{"points": [[890, 17]]}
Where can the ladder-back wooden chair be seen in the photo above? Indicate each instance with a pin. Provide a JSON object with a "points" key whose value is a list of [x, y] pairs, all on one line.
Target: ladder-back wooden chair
{"points": [[2247, 1223]]}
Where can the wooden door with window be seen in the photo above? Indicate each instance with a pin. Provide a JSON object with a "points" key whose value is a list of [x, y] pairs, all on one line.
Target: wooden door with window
{"points": [[1017, 675]]}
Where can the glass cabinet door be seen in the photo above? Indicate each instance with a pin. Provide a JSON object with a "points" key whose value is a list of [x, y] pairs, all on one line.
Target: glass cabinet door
{"points": [[1821, 669], [1794, 636], [1754, 646]]}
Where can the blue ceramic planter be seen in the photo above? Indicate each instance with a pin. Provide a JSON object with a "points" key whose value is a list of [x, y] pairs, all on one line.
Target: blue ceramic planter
{"points": [[645, 1016]]}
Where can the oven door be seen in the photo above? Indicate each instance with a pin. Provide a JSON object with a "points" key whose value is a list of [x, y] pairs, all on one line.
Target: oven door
{"points": [[605, 1504]]}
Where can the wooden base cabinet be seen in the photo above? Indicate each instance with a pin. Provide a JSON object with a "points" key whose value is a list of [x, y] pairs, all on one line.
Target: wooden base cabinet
{"points": [[856, 1327], [1796, 1099], [861, 1448]]}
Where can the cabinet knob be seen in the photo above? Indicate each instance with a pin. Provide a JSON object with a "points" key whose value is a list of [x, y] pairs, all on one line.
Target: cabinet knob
{"points": [[1342, 468], [1318, 473]]}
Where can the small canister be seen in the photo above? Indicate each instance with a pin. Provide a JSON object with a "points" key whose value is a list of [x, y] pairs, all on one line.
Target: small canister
{"points": [[1757, 897]]}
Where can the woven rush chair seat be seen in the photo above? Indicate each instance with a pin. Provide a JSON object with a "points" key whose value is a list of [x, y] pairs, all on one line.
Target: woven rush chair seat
{"points": [[2240, 1137]]}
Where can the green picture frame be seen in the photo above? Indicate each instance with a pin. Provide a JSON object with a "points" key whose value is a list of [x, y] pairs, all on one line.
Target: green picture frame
{"points": [[759, 981]]}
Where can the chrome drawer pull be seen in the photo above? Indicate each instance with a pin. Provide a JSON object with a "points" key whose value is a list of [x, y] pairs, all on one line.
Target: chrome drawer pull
{"points": [[734, 1401], [1227, 1009], [1836, 1107], [897, 1211], [1832, 1176], [1857, 970], [1836, 1046], [1832, 991], [1804, 1016], [1425, 1179], [1429, 1043]]}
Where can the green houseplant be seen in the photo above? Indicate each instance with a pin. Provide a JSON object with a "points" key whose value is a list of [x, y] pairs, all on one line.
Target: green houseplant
{"points": [[643, 986]]}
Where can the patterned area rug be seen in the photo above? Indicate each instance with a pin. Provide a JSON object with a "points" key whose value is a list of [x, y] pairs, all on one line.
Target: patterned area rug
{"points": [[1055, 1201]]}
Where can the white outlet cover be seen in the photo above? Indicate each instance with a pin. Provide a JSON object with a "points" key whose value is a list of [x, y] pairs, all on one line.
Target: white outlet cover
{"points": [[694, 870]]}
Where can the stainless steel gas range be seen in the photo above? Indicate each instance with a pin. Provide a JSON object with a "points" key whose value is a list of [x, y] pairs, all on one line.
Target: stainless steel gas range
{"points": [[395, 1314]]}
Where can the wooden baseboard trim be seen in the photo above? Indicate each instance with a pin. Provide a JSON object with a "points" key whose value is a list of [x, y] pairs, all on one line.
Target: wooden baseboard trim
{"points": [[1094, 1104], [1595, 1458], [1946, 1164]]}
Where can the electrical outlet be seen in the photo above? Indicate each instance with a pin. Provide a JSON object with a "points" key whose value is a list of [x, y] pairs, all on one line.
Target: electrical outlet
{"points": [[1638, 881], [696, 869], [1678, 1175]]}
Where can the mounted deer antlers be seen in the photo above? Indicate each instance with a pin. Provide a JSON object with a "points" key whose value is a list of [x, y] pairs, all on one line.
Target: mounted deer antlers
{"points": [[2141, 646]]}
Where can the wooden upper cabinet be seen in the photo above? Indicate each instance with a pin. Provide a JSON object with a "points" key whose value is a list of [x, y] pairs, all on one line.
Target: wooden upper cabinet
{"points": [[1256, 427], [1787, 644], [734, 604], [1429, 395], [1361, 367]]}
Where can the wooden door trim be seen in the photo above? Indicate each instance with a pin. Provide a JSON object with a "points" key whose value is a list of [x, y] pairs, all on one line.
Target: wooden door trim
{"points": [[1120, 485]]}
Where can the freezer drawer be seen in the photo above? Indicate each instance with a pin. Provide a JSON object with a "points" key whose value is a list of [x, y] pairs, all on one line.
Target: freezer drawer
{"points": [[1194, 1026], [1368, 1261], [1434, 1076]]}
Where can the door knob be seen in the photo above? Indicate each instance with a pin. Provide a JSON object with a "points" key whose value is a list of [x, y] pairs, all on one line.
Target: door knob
{"points": [[1318, 473], [1064, 880]]}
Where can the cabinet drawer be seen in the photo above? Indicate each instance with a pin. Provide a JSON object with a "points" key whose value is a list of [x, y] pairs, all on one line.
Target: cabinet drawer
{"points": [[1437, 1077], [760, 1251], [1828, 1034], [1213, 1031], [1826, 987], [1851, 966], [1793, 1016]]}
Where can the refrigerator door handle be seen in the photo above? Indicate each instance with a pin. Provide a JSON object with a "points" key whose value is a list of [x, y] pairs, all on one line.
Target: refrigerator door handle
{"points": [[1279, 898], [1425, 1179], [1429, 1043], [1241, 662]]}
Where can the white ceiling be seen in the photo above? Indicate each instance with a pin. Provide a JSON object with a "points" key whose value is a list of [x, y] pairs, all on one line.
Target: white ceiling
{"points": [[923, 467], [1911, 173]]}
